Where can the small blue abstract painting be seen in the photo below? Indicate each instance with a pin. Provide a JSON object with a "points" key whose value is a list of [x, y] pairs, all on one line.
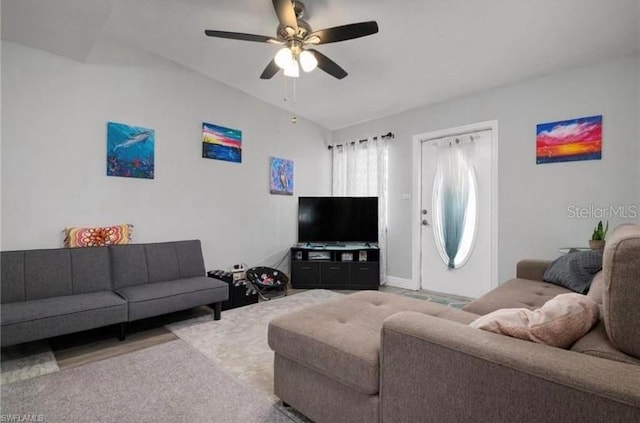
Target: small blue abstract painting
{"points": [[221, 143], [130, 151], [281, 179]]}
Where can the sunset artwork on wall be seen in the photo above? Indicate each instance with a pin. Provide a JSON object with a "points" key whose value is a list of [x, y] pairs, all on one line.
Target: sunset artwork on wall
{"points": [[221, 143], [569, 140]]}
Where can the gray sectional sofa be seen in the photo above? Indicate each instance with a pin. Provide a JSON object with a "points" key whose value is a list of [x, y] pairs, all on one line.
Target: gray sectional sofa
{"points": [[376, 357], [52, 292]]}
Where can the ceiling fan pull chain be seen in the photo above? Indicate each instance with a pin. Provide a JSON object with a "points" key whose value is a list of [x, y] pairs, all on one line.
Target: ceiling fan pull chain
{"points": [[286, 89], [293, 82]]}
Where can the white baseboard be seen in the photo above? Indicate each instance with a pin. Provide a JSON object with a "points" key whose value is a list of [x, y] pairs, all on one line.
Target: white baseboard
{"points": [[401, 282]]}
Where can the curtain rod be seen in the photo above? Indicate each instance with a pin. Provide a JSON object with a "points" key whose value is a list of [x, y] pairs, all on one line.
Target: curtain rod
{"points": [[453, 135], [388, 135]]}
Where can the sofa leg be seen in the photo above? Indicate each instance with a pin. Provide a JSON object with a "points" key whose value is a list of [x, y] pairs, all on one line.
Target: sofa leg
{"points": [[122, 331], [217, 311]]}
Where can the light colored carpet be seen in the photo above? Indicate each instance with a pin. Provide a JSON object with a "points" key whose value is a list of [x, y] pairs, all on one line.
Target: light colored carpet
{"points": [[170, 382], [238, 342]]}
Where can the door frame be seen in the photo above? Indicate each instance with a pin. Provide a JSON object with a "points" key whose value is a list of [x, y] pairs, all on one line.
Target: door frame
{"points": [[416, 188]]}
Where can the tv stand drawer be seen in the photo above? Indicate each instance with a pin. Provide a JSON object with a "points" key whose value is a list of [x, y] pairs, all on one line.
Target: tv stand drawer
{"points": [[365, 274], [334, 274], [305, 273]]}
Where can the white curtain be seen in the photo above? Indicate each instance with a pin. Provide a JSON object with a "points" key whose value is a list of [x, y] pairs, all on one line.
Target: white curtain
{"points": [[360, 170], [454, 199]]}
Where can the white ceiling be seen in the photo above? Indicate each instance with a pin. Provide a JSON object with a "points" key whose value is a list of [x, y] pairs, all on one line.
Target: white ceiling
{"points": [[426, 51]]}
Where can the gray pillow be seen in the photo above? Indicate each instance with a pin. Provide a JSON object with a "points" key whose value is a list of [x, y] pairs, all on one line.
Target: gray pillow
{"points": [[575, 270]]}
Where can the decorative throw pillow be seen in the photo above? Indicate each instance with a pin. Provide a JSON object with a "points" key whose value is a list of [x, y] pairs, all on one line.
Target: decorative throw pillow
{"points": [[559, 322], [575, 270], [100, 236]]}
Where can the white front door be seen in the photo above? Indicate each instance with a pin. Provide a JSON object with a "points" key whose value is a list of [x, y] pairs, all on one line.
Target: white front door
{"points": [[474, 277]]}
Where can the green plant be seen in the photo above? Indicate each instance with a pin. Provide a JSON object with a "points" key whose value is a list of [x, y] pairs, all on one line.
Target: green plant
{"points": [[600, 232]]}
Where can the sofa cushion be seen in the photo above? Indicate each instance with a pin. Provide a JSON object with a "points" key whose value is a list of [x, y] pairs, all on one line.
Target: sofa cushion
{"points": [[621, 268], [47, 307], [90, 270], [47, 273], [559, 323], [190, 260], [47, 317], [341, 338], [597, 344], [575, 270], [153, 299], [128, 265], [12, 276], [516, 293], [162, 261]]}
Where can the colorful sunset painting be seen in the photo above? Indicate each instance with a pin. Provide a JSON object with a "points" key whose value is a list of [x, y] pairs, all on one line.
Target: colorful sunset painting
{"points": [[281, 176], [569, 140], [221, 143], [130, 151]]}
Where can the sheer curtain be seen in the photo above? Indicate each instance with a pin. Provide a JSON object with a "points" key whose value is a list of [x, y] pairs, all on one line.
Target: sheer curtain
{"points": [[454, 197], [360, 169]]}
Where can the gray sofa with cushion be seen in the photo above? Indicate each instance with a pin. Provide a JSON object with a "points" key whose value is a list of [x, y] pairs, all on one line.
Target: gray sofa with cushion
{"points": [[376, 357], [164, 277], [47, 293], [53, 292]]}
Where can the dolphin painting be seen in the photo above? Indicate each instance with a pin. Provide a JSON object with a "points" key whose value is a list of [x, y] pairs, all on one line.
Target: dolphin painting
{"points": [[134, 139]]}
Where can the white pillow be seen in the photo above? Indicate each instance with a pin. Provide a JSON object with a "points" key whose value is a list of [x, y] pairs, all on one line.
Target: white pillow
{"points": [[559, 322]]}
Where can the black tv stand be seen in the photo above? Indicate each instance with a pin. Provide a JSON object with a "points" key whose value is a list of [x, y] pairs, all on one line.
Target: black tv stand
{"points": [[335, 266]]}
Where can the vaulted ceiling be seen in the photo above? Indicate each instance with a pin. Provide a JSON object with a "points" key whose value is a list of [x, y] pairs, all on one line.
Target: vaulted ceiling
{"points": [[426, 51]]}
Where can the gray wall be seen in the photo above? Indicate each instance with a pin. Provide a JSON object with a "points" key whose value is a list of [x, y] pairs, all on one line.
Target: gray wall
{"points": [[54, 115], [533, 199]]}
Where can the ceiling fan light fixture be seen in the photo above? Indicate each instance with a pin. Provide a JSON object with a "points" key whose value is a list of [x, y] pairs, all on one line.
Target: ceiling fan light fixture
{"points": [[284, 57], [308, 61], [293, 70]]}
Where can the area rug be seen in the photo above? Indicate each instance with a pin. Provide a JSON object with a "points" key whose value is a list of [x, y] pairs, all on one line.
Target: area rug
{"points": [[170, 382], [238, 342], [26, 361]]}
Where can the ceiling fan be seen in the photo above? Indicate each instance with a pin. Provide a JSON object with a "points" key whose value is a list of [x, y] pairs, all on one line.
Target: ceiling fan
{"points": [[296, 35]]}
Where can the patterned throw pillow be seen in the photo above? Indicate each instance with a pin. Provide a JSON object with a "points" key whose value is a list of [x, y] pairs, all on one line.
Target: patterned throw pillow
{"points": [[98, 236]]}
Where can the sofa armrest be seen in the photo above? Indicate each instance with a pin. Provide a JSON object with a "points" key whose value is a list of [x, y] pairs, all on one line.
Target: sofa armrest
{"points": [[437, 370], [532, 269]]}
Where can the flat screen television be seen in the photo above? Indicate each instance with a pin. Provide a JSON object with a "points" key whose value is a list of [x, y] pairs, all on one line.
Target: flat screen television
{"points": [[335, 220]]}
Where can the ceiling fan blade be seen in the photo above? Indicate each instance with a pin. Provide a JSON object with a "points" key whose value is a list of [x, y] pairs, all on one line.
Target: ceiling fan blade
{"points": [[286, 14], [241, 36], [328, 65], [343, 32], [270, 70]]}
